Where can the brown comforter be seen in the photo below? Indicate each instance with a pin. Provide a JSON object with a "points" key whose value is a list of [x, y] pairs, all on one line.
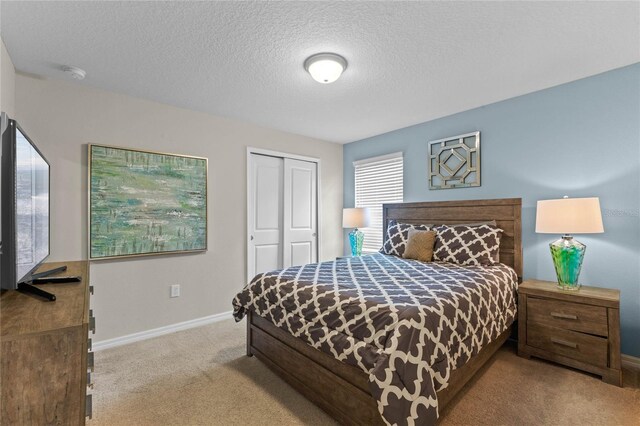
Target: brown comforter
{"points": [[406, 323]]}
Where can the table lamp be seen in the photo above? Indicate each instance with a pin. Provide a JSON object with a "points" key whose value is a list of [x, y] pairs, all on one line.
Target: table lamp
{"points": [[568, 216], [355, 218]]}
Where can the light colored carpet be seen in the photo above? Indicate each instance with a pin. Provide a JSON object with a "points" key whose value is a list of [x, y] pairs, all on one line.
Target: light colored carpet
{"points": [[202, 377]]}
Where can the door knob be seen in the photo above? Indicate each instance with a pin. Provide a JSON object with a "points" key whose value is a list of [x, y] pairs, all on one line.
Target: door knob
{"points": [[314, 234], [252, 238]]}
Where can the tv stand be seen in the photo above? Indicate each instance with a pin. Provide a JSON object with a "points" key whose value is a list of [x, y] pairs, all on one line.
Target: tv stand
{"points": [[32, 289], [42, 274], [46, 278]]}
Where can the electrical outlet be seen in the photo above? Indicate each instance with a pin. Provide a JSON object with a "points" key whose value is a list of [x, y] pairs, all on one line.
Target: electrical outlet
{"points": [[175, 290]]}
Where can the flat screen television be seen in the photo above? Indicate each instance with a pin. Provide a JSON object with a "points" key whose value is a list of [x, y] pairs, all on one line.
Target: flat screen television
{"points": [[25, 206]]}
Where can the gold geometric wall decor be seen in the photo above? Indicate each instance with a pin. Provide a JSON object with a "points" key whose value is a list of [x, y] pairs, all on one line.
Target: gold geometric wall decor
{"points": [[454, 162]]}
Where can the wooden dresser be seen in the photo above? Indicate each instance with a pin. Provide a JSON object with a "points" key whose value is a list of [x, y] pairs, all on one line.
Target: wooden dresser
{"points": [[46, 361], [580, 329]]}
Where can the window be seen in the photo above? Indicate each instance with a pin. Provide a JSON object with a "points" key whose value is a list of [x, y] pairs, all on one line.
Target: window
{"points": [[378, 181]]}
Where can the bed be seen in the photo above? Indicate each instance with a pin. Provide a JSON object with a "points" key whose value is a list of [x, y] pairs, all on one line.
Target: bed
{"points": [[360, 337]]}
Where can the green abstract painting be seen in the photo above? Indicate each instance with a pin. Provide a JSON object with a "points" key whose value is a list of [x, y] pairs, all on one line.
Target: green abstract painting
{"points": [[143, 203]]}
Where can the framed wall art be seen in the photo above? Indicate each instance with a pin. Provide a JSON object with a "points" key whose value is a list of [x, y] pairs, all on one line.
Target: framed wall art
{"points": [[454, 162], [145, 203]]}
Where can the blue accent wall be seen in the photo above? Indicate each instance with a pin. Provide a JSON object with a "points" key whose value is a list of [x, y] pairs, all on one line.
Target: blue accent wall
{"points": [[580, 139]]}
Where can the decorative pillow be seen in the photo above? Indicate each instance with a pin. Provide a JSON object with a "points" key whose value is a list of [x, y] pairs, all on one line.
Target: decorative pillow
{"points": [[397, 235], [468, 245], [476, 224], [420, 245]]}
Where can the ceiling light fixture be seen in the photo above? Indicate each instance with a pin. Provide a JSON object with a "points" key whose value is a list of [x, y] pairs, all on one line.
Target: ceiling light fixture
{"points": [[75, 72], [325, 68]]}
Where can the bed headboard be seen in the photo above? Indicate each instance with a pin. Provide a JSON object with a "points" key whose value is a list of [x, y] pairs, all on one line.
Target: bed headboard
{"points": [[505, 211]]}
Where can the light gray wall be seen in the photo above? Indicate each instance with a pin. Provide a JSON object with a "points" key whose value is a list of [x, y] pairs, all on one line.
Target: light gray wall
{"points": [[7, 82], [580, 139], [133, 295], [7, 88]]}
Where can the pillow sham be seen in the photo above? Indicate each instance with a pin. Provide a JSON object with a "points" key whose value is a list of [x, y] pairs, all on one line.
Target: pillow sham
{"points": [[474, 224], [420, 245], [489, 222], [468, 245], [397, 235]]}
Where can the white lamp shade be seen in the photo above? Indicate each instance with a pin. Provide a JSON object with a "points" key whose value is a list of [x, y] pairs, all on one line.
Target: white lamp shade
{"points": [[569, 216], [325, 68], [355, 217]]}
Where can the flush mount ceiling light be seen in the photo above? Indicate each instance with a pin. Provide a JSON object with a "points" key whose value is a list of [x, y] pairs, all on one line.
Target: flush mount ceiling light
{"points": [[325, 68], [75, 72]]}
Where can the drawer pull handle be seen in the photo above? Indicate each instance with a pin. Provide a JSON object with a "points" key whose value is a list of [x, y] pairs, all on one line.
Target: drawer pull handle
{"points": [[89, 380], [88, 406], [91, 289], [90, 361], [564, 343], [564, 316]]}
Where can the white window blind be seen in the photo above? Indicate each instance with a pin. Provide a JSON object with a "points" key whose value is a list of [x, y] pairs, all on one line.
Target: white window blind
{"points": [[378, 181]]}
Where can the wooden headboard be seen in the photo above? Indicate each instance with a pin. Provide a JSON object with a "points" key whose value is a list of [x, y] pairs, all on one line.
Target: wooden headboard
{"points": [[505, 211]]}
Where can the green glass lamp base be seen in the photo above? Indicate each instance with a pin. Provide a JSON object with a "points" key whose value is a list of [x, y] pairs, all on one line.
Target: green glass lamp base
{"points": [[567, 255], [356, 237]]}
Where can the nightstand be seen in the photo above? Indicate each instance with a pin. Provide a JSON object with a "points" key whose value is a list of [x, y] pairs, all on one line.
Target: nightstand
{"points": [[580, 329]]}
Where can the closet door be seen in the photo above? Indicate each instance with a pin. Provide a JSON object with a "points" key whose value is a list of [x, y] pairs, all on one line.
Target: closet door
{"points": [[300, 213], [265, 211]]}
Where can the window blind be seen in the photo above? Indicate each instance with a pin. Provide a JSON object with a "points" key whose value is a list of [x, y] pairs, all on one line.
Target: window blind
{"points": [[378, 181]]}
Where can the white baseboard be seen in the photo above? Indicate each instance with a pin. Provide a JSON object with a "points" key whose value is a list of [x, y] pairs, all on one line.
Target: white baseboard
{"points": [[628, 361], [631, 362], [144, 335]]}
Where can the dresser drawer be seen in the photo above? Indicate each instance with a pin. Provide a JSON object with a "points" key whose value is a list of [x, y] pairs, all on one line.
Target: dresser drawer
{"points": [[567, 315], [578, 346]]}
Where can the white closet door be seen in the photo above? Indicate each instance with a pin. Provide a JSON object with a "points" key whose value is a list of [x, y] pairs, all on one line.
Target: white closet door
{"points": [[300, 213], [266, 187]]}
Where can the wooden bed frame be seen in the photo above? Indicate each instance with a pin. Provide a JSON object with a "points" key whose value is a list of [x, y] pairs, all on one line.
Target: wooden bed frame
{"points": [[342, 390]]}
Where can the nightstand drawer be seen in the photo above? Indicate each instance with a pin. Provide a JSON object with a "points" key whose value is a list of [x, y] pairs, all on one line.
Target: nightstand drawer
{"points": [[567, 315], [578, 346], [580, 329]]}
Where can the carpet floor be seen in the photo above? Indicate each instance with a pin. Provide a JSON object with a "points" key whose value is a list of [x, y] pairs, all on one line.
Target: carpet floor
{"points": [[201, 376]]}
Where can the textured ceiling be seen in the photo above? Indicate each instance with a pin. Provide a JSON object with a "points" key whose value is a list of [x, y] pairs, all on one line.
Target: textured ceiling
{"points": [[408, 62]]}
